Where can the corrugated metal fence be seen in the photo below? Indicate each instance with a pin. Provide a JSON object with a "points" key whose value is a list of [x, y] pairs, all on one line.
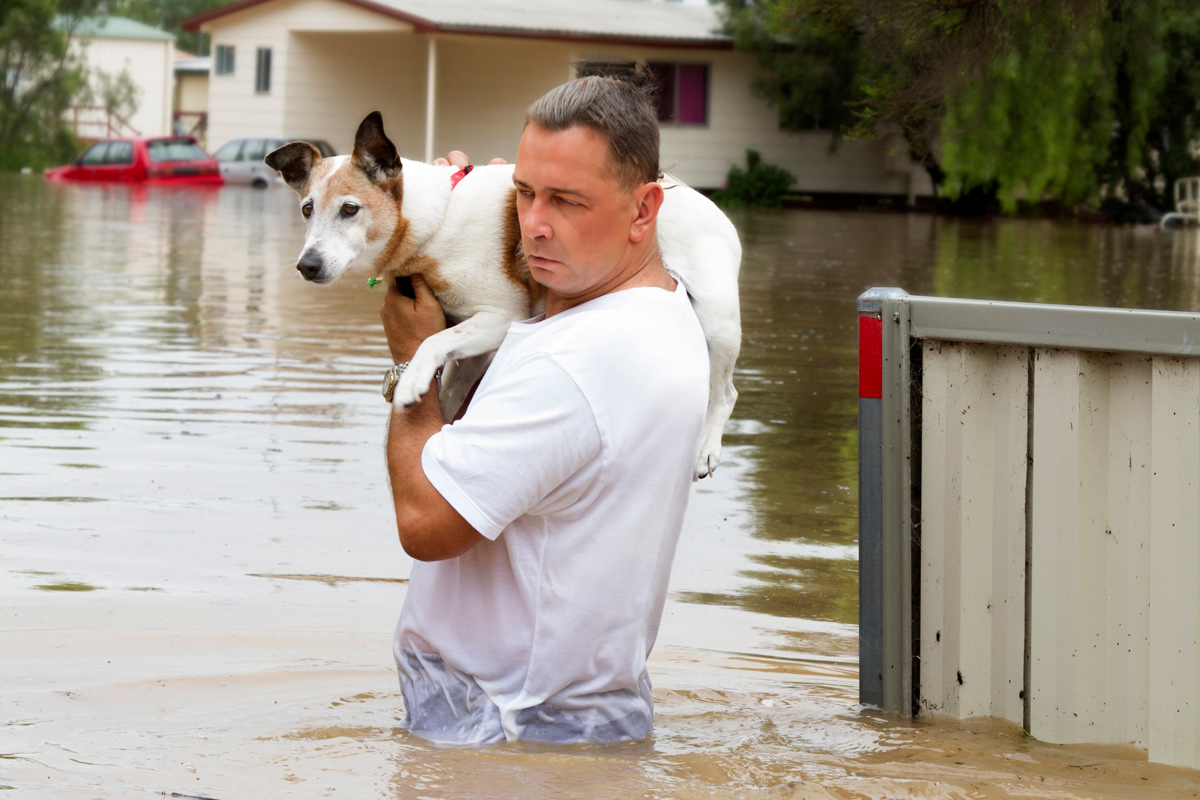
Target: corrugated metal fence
{"points": [[1030, 517]]}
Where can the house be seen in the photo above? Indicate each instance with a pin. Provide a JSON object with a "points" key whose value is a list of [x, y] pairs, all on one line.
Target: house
{"points": [[113, 46], [459, 74], [191, 94]]}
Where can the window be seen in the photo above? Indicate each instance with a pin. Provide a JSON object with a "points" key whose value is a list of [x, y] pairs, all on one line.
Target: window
{"points": [[682, 92], [229, 152], [224, 62], [163, 150], [119, 153], [254, 150], [94, 155], [262, 71]]}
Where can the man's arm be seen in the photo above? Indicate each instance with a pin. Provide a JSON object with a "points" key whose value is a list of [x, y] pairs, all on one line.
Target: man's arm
{"points": [[429, 527]]}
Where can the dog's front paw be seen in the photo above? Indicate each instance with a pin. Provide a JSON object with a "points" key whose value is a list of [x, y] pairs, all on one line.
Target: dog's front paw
{"points": [[413, 385]]}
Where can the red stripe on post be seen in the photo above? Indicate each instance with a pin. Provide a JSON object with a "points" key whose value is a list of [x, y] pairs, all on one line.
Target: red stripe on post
{"points": [[870, 356]]}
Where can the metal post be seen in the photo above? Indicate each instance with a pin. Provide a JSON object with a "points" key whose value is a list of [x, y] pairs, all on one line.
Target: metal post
{"points": [[430, 96], [884, 502]]}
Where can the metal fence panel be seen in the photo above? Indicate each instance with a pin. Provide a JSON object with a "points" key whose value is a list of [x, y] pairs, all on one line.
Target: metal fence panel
{"points": [[1088, 583], [1175, 562], [1052, 456], [973, 469]]}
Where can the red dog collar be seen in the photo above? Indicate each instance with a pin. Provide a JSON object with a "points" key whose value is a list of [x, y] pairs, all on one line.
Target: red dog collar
{"points": [[458, 176]]}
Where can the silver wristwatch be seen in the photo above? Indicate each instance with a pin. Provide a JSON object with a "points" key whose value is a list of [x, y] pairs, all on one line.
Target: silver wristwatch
{"points": [[391, 378]]}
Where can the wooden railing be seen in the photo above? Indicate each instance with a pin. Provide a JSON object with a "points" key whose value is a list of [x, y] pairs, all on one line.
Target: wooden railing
{"points": [[100, 122]]}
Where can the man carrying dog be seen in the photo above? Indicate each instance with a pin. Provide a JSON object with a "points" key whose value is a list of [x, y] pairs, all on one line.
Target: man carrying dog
{"points": [[544, 520]]}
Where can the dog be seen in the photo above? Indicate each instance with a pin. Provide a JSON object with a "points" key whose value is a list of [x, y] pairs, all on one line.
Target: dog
{"points": [[376, 214]]}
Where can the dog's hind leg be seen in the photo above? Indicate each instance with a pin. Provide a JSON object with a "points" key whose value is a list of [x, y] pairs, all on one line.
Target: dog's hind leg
{"points": [[481, 333], [700, 245], [723, 330], [721, 397]]}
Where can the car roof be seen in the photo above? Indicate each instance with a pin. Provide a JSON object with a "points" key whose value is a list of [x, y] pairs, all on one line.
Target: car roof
{"points": [[147, 139]]}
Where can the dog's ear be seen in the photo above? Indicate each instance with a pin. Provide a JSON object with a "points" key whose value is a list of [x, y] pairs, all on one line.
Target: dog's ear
{"points": [[374, 152], [295, 162]]}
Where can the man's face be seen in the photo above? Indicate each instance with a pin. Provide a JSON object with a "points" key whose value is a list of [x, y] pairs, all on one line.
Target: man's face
{"points": [[575, 216]]}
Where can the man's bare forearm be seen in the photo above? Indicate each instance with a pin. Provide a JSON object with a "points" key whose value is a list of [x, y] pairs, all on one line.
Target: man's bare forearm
{"points": [[429, 527]]}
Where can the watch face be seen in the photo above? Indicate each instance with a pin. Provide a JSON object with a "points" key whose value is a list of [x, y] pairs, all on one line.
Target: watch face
{"points": [[390, 379]]}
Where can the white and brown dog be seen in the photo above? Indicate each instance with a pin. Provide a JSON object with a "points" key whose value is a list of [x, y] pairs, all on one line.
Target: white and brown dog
{"points": [[374, 213]]}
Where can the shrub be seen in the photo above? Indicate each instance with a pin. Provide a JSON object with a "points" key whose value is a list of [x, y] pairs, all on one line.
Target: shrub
{"points": [[758, 185]]}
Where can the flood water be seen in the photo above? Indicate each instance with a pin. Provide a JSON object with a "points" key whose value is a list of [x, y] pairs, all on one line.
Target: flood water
{"points": [[199, 573]]}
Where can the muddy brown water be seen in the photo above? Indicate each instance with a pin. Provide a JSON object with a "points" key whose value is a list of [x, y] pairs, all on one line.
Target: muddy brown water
{"points": [[199, 577]]}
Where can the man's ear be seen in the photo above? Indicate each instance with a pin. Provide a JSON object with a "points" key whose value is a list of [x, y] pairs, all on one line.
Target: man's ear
{"points": [[648, 199]]}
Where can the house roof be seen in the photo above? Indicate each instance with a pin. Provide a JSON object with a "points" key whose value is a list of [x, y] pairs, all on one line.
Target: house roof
{"points": [[641, 21], [114, 28]]}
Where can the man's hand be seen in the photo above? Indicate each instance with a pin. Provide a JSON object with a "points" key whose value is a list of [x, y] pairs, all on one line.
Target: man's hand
{"points": [[458, 158], [409, 321]]}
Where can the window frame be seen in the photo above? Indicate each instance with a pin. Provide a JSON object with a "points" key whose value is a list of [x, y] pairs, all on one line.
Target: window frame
{"points": [[224, 59], [668, 73], [262, 70]]}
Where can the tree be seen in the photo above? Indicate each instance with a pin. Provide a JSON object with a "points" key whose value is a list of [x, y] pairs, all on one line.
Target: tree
{"points": [[167, 15], [1065, 100], [39, 78], [811, 56]]}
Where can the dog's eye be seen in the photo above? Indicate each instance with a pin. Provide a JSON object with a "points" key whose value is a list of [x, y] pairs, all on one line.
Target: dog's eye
{"points": [[306, 210], [349, 209]]}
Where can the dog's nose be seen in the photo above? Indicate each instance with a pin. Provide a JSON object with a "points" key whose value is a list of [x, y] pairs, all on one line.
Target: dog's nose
{"points": [[310, 265]]}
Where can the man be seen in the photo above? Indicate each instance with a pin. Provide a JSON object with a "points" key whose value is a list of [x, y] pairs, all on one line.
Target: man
{"points": [[544, 521]]}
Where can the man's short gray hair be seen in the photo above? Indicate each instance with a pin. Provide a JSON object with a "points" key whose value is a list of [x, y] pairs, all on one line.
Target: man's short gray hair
{"points": [[616, 101]]}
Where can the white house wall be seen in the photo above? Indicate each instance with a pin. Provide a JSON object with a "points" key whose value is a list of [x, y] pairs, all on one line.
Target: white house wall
{"points": [[150, 65], [485, 85], [235, 109], [338, 80], [481, 109], [739, 120], [332, 62], [193, 93]]}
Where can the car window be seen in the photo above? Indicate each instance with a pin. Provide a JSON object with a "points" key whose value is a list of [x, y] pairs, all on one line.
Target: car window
{"points": [[119, 153], [161, 150], [229, 151], [255, 150], [94, 155]]}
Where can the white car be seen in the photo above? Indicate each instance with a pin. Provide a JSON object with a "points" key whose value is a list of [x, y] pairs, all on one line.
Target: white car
{"points": [[241, 160]]}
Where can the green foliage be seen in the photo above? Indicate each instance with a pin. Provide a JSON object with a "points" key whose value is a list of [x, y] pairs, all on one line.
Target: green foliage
{"points": [[39, 79], [812, 60], [118, 93], [167, 15], [1029, 100], [1173, 118], [1062, 123], [759, 184]]}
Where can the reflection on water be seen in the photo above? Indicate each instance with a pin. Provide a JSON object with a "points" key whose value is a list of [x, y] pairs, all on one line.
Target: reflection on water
{"points": [[196, 557]]}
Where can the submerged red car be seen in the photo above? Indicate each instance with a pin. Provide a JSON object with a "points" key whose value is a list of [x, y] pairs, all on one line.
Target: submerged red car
{"points": [[162, 160]]}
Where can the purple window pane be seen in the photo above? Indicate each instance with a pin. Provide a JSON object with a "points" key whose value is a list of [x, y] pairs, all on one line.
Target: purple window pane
{"points": [[693, 94]]}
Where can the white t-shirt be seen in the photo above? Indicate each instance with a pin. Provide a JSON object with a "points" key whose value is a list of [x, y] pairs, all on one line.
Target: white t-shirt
{"points": [[574, 460]]}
